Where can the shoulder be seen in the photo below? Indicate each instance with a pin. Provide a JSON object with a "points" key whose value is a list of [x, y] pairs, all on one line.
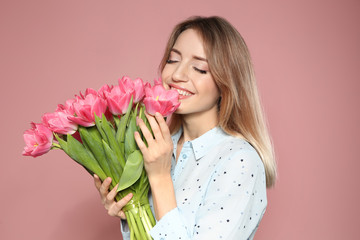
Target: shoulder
{"points": [[237, 157], [239, 151], [237, 168]]}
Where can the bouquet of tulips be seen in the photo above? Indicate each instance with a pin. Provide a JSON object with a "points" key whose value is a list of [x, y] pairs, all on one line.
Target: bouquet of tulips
{"points": [[96, 129]]}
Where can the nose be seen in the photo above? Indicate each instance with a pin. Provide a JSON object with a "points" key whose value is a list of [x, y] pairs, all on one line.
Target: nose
{"points": [[180, 73]]}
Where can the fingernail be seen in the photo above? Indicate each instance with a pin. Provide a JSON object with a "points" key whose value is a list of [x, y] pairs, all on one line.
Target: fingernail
{"points": [[129, 196]]}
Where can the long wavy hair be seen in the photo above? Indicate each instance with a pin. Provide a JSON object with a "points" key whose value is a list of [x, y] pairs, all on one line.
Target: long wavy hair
{"points": [[240, 110]]}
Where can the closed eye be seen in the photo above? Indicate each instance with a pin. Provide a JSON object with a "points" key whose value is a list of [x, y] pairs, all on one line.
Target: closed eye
{"points": [[170, 61], [200, 71]]}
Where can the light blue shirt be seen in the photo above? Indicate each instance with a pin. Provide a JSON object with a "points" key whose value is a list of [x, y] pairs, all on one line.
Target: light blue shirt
{"points": [[220, 190]]}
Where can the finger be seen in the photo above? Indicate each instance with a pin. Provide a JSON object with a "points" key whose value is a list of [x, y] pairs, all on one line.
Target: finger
{"points": [[104, 188], [116, 209], [140, 143], [154, 127], [111, 195], [97, 182], [145, 131], [163, 126], [120, 214], [122, 202]]}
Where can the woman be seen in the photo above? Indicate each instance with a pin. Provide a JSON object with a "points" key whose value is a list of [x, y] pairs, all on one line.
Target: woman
{"points": [[209, 169]]}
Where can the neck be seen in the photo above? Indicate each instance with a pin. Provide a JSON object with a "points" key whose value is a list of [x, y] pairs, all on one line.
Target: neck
{"points": [[195, 125]]}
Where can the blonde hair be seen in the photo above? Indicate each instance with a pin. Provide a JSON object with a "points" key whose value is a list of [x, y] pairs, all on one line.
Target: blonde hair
{"points": [[240, 111]]}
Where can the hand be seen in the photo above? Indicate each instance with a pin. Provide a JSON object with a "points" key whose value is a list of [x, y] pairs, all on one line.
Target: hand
{"points": [[157, 155], [108, 198], [157, 161]]}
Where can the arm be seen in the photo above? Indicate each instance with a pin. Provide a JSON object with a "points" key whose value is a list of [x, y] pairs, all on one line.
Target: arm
{"points": [[232, 206]]}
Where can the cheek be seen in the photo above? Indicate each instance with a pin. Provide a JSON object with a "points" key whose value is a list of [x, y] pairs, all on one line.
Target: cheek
{"points": [[210, 88], [212, 94]]}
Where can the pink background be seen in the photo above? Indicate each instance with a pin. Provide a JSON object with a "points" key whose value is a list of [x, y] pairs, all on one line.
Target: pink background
{"points": [[307, 60]]}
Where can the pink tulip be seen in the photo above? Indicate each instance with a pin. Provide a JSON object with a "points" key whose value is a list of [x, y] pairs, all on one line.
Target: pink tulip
{"points": [[69, 108], [158, 99], [38, 140], [101, 92], [158, 81], [104, 90], [84, 109], [126, 84], [58, 122], [118, 100], [137, 88], [89, 91]]}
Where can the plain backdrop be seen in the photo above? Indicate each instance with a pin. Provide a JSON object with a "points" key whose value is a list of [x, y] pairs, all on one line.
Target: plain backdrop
{"points": [[307, 59]]}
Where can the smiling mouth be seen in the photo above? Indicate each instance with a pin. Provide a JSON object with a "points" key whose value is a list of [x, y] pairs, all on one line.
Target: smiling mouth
{"points": [[182, 92]]}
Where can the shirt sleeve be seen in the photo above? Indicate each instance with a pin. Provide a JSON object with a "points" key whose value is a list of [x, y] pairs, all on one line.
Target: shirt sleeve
{"points": [[232, 206], [124, 227]]}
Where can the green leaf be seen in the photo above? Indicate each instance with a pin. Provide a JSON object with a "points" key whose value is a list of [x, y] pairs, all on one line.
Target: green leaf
{"points": [[116, 169], [92, 138], [81, 155], [147, 124], [110, 134], [62, 143], [117, 121], [120, 134], [107, 127], [98, 123], [132, 171], [143, 188], [130, 143]]}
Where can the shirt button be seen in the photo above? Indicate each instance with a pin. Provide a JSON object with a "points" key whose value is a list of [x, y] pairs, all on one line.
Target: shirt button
{"points": [[184, 156]]}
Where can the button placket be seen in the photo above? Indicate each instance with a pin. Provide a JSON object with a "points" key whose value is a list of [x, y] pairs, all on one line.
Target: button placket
{"points": [[182, 160]]}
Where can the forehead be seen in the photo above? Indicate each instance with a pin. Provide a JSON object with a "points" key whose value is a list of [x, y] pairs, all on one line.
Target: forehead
{"points": [[190, 42]]}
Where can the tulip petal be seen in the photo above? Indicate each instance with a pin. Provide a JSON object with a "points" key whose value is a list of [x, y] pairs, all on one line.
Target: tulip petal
{"points": [[158, 99], [38, 140]]}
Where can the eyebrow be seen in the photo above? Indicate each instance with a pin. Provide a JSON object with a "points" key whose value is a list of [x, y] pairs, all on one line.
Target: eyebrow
{"points": [[195, 57]]}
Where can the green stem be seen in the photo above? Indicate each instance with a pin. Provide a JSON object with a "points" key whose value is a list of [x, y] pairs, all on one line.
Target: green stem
{"points": [[151, 216], [55, 145], [145, 221], [132, 222], [140, 225], [132, 234]]}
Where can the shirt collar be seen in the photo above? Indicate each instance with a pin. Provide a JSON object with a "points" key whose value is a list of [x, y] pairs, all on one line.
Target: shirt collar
{"points": [[204, 143]]}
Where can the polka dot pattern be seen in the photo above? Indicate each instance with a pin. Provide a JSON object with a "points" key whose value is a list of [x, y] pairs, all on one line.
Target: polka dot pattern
{"points": [[220, 189]]}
